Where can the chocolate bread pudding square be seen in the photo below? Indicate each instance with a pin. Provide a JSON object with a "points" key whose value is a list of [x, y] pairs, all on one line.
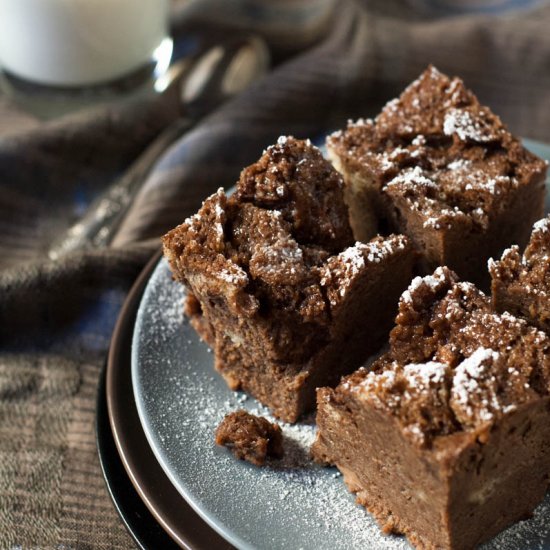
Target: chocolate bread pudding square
{"points": [[446, 439], [441, 168], [521, 282], [277, 286]]}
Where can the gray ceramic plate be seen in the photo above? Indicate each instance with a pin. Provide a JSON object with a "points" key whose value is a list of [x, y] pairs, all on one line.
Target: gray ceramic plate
{"points": [[293, 504]]}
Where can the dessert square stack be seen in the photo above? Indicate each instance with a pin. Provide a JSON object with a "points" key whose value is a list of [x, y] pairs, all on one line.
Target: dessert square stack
{"points": [[444, 170], [446, 439], [278, 287]]}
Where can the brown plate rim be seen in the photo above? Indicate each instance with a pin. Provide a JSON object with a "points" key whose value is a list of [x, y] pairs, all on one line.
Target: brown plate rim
{"points": [[158, 494]]}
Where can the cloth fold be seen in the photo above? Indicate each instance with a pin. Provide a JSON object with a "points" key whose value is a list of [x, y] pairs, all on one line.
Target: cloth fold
{"points": [[56, 317]]}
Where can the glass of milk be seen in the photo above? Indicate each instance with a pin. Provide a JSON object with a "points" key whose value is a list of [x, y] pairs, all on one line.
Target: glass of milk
{"points": [[79, 43]]}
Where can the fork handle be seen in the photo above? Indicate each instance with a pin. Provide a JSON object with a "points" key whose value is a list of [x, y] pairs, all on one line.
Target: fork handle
{"points": [[98, 226]]}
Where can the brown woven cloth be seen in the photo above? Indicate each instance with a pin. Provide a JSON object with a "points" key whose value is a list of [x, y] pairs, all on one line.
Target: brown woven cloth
{"points": [[56, 317]]}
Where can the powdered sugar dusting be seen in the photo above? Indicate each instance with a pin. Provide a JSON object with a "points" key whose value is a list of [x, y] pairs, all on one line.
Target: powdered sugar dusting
{"points": [[461, 123], [353, 259], [377, 251], [285, 255], [220, 218], [340, 271], [432, 371], [466, 382], [233, 274], [216, 202], [433, 282], [419, 141], [420, 377], [359, 122], [165, 315], [466, 174], [459, 164], [428, 192], [413, 176], [281, 140], [542, 226], [372, 380]]}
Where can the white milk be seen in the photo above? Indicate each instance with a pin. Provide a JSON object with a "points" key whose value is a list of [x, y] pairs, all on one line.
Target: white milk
{"points": [[79, 42]]}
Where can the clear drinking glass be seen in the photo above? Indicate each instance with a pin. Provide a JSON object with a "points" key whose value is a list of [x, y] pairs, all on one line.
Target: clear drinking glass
{"points": [[70, 49]]}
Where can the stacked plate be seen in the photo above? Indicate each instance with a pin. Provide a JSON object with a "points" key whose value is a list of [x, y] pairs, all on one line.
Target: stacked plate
{"points": [[158, 406]]}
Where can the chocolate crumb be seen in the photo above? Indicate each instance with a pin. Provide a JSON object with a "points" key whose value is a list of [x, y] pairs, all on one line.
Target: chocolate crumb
{"points": [[249, 437]]}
